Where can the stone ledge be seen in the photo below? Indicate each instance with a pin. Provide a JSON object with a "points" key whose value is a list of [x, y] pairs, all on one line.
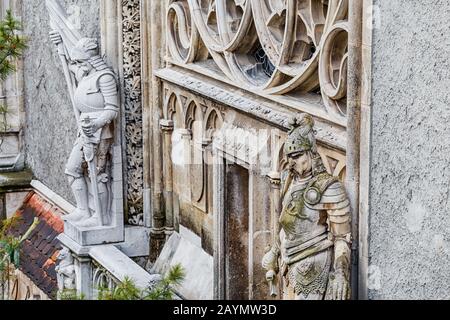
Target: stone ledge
{"points": [[331, 133], [15, 180], [95, 236], [117, 263], [137, 241], [52, 196], [121, 266]]}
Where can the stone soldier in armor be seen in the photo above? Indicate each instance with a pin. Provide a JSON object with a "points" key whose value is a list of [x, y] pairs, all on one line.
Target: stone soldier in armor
{"points": [[312, 254], [95, 99]]}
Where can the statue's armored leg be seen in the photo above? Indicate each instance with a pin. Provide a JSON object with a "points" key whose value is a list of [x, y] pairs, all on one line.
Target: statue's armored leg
{"points": [[95, 219], [79, 187], [103, 192], [104, 198], [80, 192]]}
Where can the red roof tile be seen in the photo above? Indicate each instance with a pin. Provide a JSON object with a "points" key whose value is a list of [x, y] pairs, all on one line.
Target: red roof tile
{"points": [[40, 251]]}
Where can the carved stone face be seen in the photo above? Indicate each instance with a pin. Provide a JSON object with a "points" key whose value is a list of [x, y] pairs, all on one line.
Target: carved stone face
{"points": [[64, 255], [301, 163], [84, 68]]}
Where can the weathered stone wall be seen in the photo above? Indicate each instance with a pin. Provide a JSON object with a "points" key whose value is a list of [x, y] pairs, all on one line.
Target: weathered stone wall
{"points": [[50, 125], [409, 218]]}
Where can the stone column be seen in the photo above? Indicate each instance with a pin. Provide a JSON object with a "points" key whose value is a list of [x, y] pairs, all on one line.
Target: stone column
{"points": [[167, 129], [354, 129], [366, 114], [153, 96], [186, 135], [111, 34], [219, 224], [147, 101], [275, 196], [83, 280], [275, 182]]}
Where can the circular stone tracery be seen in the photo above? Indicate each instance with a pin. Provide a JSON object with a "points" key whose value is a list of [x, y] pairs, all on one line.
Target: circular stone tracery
{"points": [[270, 46]]}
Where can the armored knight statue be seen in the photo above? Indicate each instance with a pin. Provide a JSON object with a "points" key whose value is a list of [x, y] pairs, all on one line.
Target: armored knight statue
{"points": [[312, 253], [94, 93]]}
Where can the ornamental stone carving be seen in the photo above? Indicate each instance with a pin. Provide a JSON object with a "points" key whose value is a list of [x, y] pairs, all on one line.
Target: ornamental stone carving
{"points": [[133, 109], [65, 271], [311, 257], [271, 47]]}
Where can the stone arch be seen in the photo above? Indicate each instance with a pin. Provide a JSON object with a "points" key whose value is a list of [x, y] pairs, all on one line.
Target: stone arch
{"points": [[172, 108], [282, 160], [193, 115], [214, 122]]}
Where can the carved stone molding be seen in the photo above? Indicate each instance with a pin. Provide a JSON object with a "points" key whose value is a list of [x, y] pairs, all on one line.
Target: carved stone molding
{"points": [[272, 47], [133, 109]]}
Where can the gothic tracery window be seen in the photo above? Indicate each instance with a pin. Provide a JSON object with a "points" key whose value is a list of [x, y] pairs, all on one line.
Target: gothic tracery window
{"points": [[276, 47]]}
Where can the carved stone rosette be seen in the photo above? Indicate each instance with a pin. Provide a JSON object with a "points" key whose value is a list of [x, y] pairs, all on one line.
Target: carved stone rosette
{"points": [[133, 109], [273, 47]]}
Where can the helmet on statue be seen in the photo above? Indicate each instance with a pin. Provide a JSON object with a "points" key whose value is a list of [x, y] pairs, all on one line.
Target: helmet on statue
{"points": [[301, 136], [85, 49], [301, 139]]}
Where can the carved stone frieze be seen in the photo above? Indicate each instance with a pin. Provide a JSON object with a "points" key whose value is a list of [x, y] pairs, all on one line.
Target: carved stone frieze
{"points": [[133, 109]]}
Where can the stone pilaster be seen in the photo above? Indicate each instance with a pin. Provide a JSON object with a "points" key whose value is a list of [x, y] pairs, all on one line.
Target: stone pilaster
{"points": [[83, 279], [167, 127]]}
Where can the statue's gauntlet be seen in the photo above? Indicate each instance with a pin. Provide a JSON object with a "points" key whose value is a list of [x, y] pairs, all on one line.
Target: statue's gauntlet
{"points": [[342, 250], [340, 224], [270, 260]]}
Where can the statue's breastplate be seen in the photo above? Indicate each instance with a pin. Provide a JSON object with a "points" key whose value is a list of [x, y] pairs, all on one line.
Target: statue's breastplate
{"points": [[297, 220], [88, 97]]}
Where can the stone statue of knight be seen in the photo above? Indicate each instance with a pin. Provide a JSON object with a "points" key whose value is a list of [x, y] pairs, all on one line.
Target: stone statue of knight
{"points": [[312, 253], [96, 103]]}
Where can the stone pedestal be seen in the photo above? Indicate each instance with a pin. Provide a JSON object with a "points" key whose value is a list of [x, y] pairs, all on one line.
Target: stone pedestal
{"points": [[94, 236]]}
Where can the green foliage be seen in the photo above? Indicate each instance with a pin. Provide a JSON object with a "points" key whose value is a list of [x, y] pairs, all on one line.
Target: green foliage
{"points": [[127, 290], [12, 44], [69, 295], [164, 291], [10, 250]]}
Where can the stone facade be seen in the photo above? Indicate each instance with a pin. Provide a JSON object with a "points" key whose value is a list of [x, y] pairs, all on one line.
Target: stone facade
{"points": [[206, 89], [221, 145], [408, 248]]}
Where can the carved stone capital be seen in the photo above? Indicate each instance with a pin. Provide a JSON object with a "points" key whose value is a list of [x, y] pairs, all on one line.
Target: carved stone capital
{"points": [[185, 133], [274, 179], [166, 125], [157, 231], [206, 142]]}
